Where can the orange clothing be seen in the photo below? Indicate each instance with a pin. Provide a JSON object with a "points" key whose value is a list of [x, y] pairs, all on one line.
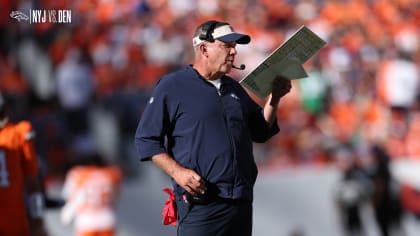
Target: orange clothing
{"points": [[412, 144], [346, 118], [91, 192], [97, 233], [410, 195], [333, 12], [375, 117], [17, 161]]}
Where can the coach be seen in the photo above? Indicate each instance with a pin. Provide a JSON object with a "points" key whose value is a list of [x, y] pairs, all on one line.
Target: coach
{"points": [[199, 126]]}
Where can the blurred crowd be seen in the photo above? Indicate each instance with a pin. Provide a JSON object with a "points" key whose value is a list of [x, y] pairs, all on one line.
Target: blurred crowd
{"points": [[84, 84]]}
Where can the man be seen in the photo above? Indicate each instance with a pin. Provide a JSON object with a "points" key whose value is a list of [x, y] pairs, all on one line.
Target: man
{"points": [[21, 198], [91, 190], [208, 123]]}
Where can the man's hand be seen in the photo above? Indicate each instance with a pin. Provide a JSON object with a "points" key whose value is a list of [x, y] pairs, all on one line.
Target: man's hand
{"points": [[281, 86], [190, 181], [186, 178]]}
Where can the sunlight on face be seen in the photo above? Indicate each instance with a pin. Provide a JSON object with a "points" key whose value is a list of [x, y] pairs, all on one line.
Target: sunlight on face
{"points": [[221, 56]]}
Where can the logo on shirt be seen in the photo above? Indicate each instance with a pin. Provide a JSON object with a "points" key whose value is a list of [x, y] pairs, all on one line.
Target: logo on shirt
{"points": [[151, 100], [234, 96]]}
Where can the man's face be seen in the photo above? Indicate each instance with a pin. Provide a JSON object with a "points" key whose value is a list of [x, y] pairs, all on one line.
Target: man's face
{"points": [[221, 56]]}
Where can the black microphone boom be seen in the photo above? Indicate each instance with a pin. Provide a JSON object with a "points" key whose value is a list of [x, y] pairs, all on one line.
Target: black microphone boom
{"points": [[241, 67]]}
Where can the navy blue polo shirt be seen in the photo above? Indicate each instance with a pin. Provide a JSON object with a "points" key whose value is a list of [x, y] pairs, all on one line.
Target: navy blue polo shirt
{"points": [[204, 131]]}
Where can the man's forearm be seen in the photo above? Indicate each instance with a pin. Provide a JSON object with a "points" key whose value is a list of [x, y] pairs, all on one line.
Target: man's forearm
{"points": [[186, 178], [281, 86], [270, 110], [166, 163]]}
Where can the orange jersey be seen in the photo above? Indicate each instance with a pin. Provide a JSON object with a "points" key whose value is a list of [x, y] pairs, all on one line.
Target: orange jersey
{"points": [[90, 193], [17, 161]]}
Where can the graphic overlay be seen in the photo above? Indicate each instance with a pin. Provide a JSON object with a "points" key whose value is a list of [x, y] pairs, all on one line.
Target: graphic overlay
{"points": [[40, 16], [19, 16]]}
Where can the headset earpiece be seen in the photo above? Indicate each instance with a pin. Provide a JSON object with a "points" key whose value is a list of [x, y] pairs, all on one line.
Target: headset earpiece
{"points": [[207, 31]]}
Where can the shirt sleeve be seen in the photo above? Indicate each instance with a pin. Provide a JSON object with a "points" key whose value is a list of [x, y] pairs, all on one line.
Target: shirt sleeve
{"points": [[260, 131], [153, 125]]}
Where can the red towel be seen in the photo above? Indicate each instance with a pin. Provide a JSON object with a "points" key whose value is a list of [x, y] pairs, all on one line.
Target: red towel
{"points": [[169, 210]]}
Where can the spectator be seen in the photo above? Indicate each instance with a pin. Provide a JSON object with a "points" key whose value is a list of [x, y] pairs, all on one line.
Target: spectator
{"points": [[75, 93], [386, 195]]}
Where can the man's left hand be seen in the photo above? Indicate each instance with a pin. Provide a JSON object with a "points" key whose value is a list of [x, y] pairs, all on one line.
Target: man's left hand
{"points": [[281, 86]]}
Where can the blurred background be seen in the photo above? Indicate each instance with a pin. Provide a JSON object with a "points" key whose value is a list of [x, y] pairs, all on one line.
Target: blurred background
{"points": [[330, 171]]}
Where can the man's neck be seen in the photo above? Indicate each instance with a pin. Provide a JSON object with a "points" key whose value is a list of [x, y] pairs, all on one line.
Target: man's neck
{"points": [[206, 73]]}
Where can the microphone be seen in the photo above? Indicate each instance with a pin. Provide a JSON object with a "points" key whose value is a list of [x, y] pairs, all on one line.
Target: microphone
{"points": [[241, 67]]}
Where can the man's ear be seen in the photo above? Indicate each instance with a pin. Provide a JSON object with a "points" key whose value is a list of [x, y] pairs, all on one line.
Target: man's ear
{"points": [[203, 49]]}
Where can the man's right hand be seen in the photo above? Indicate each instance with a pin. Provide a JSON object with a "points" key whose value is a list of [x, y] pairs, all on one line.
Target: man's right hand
{"points": [[190, 181]]}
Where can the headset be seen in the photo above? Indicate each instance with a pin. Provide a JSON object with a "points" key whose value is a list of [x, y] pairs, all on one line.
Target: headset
{"points": [[207, 31], [206, 35]]}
